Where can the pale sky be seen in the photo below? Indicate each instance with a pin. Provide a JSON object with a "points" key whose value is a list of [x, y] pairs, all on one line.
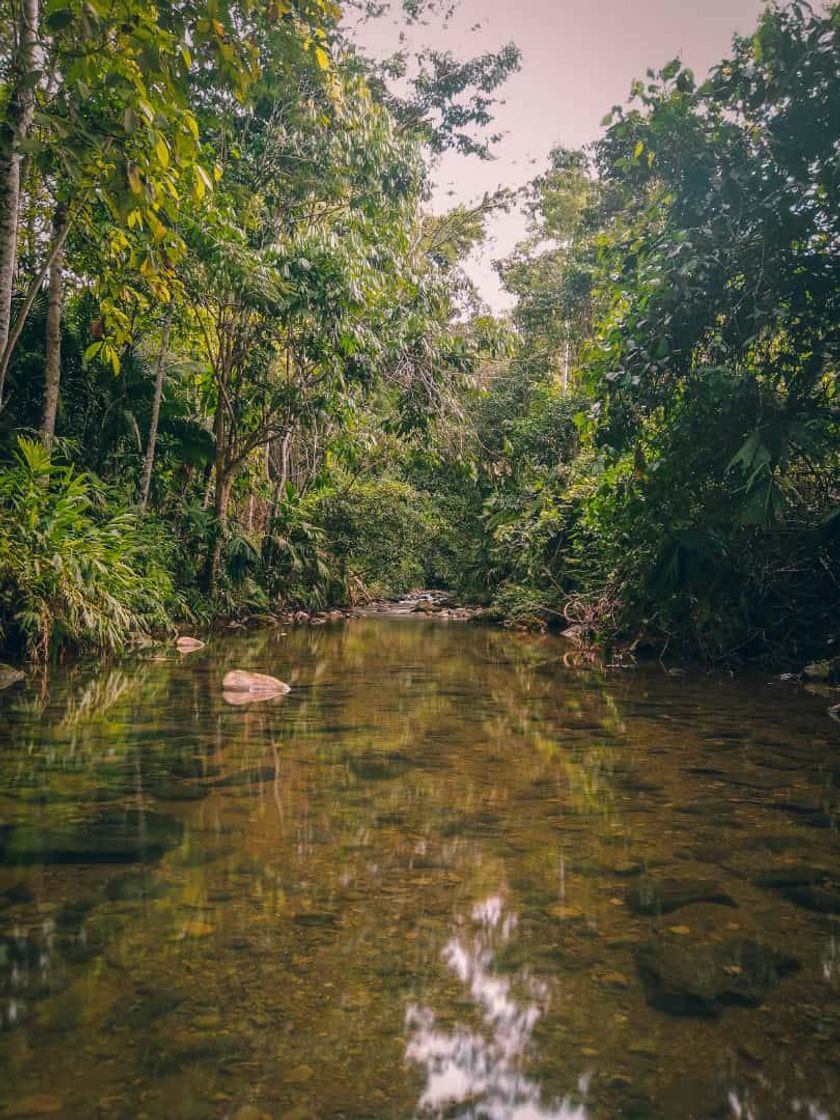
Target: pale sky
{"points": [[578, 59]]}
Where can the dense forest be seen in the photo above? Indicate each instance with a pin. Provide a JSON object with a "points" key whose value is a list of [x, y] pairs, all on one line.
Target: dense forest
{"points": [[243, 371]]}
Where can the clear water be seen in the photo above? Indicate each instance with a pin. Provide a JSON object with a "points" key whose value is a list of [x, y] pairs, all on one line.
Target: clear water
{"points": [[449, 875]]}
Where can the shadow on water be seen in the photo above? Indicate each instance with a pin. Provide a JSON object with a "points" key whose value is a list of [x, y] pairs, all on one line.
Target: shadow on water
{"points": [[447, 876]]}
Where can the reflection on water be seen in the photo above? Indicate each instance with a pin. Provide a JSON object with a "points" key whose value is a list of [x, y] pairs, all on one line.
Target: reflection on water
{"points": [[482, 1069], [449, 875]]}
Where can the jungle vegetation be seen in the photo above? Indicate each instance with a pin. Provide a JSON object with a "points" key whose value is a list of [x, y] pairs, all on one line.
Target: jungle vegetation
{"points": [[242, 369]]}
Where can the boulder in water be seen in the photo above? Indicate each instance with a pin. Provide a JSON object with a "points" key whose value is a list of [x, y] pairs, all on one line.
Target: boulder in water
{"points": [[239, 680], [9, 675], [825, 670], [237, 699], [187, 644]]}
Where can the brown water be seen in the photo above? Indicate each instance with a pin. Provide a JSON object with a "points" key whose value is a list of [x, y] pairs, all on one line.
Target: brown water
{"points": [[447, 876]]}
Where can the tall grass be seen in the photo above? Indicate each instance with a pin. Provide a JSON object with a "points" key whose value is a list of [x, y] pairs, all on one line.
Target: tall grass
{"points": [[72, 571]]}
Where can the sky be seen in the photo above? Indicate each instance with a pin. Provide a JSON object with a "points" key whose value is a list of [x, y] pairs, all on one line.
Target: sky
{"points": [[578, 60]]}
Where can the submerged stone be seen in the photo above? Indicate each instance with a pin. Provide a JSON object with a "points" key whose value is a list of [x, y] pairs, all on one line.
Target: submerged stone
{"points": [[697, 1098], [628, 868], [134, 885], [636, 783], [791, 876], [476, 824], [38, 1104], [129, 836], [662, 896], [72, 915], [684, 978], [161, 1060], [822, 899], [317, 919], [256, 776], [374, 767], [251, 1112], [299, 1075], [19, 892], [773, 843], [151, 1007], [178, 791], [706, 853]]}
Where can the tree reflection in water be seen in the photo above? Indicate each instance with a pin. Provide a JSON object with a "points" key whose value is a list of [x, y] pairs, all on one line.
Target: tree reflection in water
{"points": [[481, 1070]]}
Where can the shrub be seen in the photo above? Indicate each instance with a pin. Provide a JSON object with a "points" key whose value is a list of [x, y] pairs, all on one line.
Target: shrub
{"points": [[73, 573], [381, 530]]}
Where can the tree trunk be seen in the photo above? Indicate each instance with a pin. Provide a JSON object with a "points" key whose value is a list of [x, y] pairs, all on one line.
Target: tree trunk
{"points": [[279, 487], [16, 127], [221, 500], [52, 365], [221, 494], [153, 426], [16, 329]]}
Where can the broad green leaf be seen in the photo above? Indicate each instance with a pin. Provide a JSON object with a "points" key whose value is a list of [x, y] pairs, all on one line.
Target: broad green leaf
{"points": [[59, 19]]}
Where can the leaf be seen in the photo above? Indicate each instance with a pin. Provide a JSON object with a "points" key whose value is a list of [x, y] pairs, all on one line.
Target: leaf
{"points": [[751, 455], [323, 58], [201, 181], [192, 124], [199, 189], [162, 152], [671, 69], [133, 176], [92, 351], [59, 19]]}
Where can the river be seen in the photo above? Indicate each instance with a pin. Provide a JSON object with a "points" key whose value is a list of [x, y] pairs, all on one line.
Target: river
{"points": [[449, 875]]}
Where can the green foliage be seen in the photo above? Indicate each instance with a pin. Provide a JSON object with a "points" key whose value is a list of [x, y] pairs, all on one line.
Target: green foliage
{"points": [[382, 534], [257, 307], [689, 292], [72, 572]]}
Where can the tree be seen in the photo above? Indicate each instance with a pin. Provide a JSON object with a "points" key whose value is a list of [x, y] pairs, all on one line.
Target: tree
{"points": [[696, 269], [18, 114]]}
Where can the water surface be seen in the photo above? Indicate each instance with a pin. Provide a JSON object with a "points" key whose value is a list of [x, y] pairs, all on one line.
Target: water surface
{"points": [[450, 875]]}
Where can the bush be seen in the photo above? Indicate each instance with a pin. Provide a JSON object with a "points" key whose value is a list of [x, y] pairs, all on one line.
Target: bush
{"points": [[73, 573], [381, 530]]}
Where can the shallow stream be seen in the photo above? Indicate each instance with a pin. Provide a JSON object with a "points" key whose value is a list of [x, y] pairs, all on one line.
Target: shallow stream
{"points": [[449, 875]]}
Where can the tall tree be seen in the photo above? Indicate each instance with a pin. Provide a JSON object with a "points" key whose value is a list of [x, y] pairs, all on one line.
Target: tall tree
{"points": [[52, 345], [19, 111]]}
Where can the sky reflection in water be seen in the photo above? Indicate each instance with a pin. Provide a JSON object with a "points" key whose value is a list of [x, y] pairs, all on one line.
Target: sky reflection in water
{"points": [[482, 1068]]}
